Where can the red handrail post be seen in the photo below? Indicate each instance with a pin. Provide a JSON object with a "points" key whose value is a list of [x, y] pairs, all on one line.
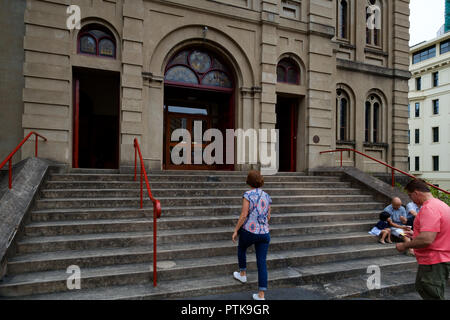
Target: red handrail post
{"points": [[36, 146], [393, 178], [135, 161], [10, 173], [156, 205], [142, 189], [155, 274]]}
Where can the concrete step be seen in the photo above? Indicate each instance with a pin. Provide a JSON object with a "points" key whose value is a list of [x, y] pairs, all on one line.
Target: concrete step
{"points": [[157, 193], [45, 261], [395, 284], [198, 269], [116, 202], [212, 211], [93, 171], [192, 178], [79, 241], [49, 228], [54, 185]]}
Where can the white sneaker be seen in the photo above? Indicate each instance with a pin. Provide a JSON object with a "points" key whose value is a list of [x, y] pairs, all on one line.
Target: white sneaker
{"points": [[256, 297], [237, 276]]}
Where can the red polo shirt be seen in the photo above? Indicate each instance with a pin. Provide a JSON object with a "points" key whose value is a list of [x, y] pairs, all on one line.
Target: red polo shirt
{"points": [[434, 216]]}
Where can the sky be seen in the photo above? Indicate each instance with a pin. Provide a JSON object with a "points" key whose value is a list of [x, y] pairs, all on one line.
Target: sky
{"points": [[426, 17]]}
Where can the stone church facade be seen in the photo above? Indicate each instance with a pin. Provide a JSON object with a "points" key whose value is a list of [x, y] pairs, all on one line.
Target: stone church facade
{"points": [[141, 68]]}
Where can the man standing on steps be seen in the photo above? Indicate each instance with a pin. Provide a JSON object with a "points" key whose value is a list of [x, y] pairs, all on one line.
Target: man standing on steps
{"points": [[431, 241]]}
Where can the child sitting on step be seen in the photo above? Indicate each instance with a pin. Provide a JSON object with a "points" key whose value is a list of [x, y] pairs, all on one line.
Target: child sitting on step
{"points": [[382, 229]]}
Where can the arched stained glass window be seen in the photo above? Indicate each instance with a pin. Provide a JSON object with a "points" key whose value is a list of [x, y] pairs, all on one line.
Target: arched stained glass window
{"points": [[97, 40], [217, 79], [288, 72], [106, 48], [88, 44], [198, 67], [181, 74]]}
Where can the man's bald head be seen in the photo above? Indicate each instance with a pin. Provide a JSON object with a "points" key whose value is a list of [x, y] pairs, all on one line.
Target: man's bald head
{"points": [[396, 203]]}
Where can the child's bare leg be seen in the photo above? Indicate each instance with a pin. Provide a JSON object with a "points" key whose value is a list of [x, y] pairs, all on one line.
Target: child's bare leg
{"points": [[383, 235], [389, 240]]}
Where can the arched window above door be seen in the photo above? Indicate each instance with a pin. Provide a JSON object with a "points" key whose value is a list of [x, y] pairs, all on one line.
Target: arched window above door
{"points": [[288, 71], [97, 40], [197, 67]]}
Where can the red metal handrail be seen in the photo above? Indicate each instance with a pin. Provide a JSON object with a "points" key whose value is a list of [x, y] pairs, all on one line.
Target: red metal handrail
{"points": [[9, 158], [393, 169], [156, 203]]}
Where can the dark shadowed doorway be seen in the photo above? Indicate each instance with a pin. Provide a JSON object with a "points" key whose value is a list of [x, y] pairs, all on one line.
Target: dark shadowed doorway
{"points": [[96, 119]]}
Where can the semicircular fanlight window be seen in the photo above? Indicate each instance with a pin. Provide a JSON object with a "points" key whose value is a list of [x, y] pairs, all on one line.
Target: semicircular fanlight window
{"points": [[181, 74], [217, 79]]}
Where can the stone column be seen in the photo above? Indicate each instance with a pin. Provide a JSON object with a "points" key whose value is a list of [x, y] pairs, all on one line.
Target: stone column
{"points": [[400, 88], [131, 82], [320, 100], [47, 73], [269, 59]]}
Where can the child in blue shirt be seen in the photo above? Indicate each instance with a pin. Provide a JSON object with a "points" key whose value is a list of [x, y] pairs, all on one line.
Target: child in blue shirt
{"points": [[382, 229]]}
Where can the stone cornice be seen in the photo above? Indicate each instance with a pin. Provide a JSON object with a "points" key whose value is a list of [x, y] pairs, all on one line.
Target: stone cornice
{"points": [[376, 70]]}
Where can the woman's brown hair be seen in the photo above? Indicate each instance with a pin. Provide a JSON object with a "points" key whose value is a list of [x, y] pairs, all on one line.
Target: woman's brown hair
{"points": [[255, 179]]}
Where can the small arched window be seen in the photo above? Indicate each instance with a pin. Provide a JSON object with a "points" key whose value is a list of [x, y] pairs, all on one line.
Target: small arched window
{"points": [[342, 19], [373, 22], [288, 72], [342, 115], [373, 119], [97, 40]]}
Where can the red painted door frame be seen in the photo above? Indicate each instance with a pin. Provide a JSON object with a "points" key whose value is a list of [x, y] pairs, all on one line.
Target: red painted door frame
{"points": [[294, 127], [76, 122]]}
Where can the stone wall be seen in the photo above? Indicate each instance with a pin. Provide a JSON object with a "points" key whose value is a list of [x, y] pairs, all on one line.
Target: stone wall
{"points": [[12, 30]]}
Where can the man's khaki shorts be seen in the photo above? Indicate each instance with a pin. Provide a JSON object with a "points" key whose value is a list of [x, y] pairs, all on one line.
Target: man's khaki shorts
{"points": [[431, 280]]}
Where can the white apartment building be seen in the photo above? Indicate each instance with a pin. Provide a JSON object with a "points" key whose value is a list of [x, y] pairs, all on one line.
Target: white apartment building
{"points": [[429, 111]]}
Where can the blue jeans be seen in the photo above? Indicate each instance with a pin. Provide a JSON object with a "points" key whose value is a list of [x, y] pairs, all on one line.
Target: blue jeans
{"points": [[261, 242]]}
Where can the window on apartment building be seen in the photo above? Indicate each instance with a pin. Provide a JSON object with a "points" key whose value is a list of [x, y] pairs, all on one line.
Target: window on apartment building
{"points": [[435, 134], [436, 106], [374, 20], [419, 83], [417, 136], [435, 78], [409, 136], [417, 164], [409, 110], [445, 46], [409, 163], [417, 110], [435, 163], [424, 54]]}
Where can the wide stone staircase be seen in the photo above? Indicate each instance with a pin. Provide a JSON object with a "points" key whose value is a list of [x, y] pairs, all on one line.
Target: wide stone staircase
{"points": [[90, 219]]}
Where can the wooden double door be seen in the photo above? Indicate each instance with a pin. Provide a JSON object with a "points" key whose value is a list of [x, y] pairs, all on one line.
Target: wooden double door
{"points": [[192, 124]]}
